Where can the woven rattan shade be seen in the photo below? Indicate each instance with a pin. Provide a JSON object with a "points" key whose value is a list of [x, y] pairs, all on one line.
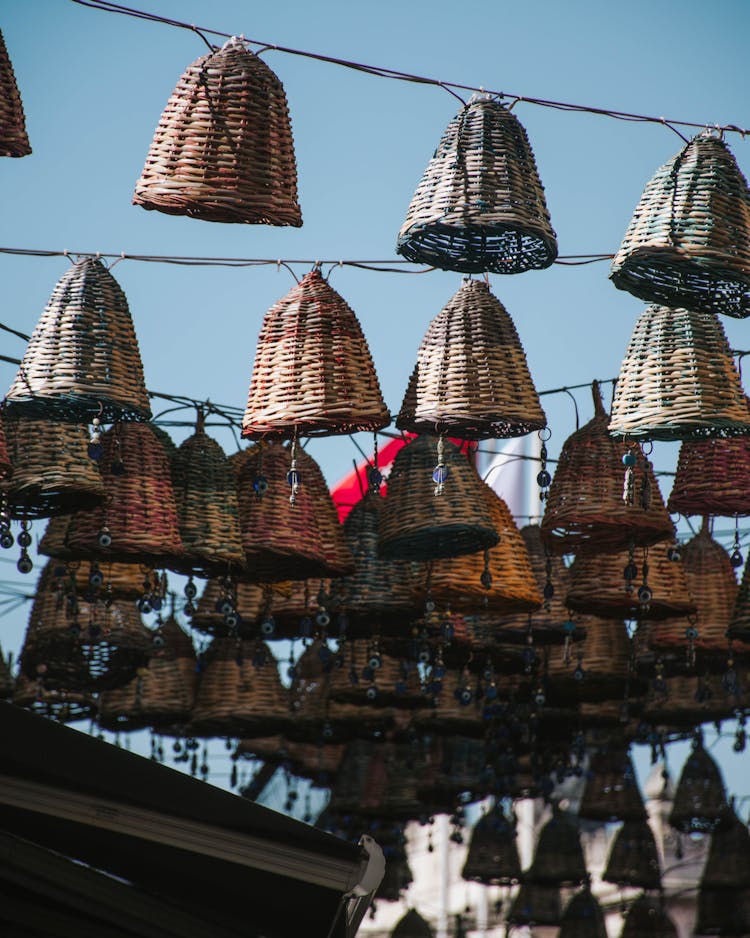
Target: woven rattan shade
{"points": [[471, 379], [82, 360], [62, 705], [536, 905], [53, 473], [454, 709], [492, 858], [417, 525], [119, 580], [585, 510], [283, 541], [688, 243], [455, 768], [480, 204], [249, 599], [313, 373], [633, 858], [13, 138], [206, 496], [700, 802], [678, 380], [597, 586], [223, 148], [711, 478], [558, 858], [599, 666], [688, 702], [728, 863], [139, 511], [739, 627], [412, 925], [388, 683], [583, 917], [611, 792]]}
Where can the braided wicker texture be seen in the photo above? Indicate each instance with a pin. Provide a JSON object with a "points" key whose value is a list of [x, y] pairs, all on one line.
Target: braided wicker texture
{"points": [[417, 525], [700, 801], [223, 148], [646, 918], [82, 360], [678, 380], [248, 600], [13, 138], [711, 478], [53, 473], [370, 679], [480, 204], [611, 792], [118, 580], [471, 379], [205, 492], [283, 541], [139, 511], [313, 373], [585, 510], [633, 858], [688, 243]]}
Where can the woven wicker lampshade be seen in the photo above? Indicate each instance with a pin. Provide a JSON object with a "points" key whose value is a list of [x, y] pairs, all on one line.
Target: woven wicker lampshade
{"points": [[454, 709], [108, 580], [417, 525], [711, 478], [678, 380], [700, 801], [240, 691], [455, 768], [283, 541], [480, 204], [536, 905], [53, 472], [412, 925], [585, 510], [65, 706], [633, 858], [598, 668], [687, 702], [558, 858], [739, 627], [13, 138], [313, 373], [646, 918], [611, 792], [378, 778], [206, 495], [397, 877], [723, 912], [223, 148], [583, 917], [598, 586], [82, 360], [370, 679], [688, 243], [248, 601], [471, 379], [728, 863], [137, 522], [492, 858]]}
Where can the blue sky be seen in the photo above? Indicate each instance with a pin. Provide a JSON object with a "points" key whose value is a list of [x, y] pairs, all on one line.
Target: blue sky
{"points": [[94, 85]]}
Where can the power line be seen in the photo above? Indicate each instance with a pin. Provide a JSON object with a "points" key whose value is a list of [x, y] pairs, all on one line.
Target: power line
{"points": [[380, 71]]}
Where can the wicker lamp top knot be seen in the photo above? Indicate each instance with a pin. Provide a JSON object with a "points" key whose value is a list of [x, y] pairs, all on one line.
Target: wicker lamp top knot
{"points": [[688, 243], [711, 477], [700, 802], [415, 524], [412, 925], [633, 858], [13, 138], [82, 360], [223, 149], [678, 380], [583, 917], [480, 204], [313, 372], [646, 918], [471, 379]]}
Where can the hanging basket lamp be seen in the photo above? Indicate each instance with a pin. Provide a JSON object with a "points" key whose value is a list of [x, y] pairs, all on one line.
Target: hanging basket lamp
{"points": [[13, 138], [633, 858], [492, 858], [700, 801], [711, 477]]}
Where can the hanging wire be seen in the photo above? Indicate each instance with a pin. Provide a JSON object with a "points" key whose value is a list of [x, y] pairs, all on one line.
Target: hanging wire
{"points": [[380, 71]]}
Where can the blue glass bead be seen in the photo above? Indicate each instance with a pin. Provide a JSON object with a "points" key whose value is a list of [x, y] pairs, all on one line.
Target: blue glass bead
{"points": [[628, 460]]}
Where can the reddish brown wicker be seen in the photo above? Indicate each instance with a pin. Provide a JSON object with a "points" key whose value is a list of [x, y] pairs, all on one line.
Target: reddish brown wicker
{"points": [[646, 918], [65, 706], [728, 863], [206, 495], [480, 204], [678, 380], [583, 917], [313, 373], [139, 512], [471, 379], [700, 801], [320, 763], [598, 586], [417, 525], [611, 792], [536, 905], [688, 243], [223, 149], [283, 541], [492, 858], [711, 477], [13, 138], [82, 360], [558, 858], [585, 510], [53, 472], [633, 858]]}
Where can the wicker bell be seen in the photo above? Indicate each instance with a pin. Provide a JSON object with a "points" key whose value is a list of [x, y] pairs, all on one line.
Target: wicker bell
{"points": [[536, 905], [13, 138], [585, 510], [597, 668], [480, 204], [247, 602], [137, 523], [205, 491], [64, 706], [558, 858], [739, 627], [492, 858], [109, 580], [685, 702], [370, 679], [223, 148], [646, 918], [633, 858], [688, 243], [417, 525], [724, 912], [82, 360], [284, 541], [678, 380], [711, 478], [728, 863], [700, 802], [313, 373], [583, 917], [471, 379], [611, 792], [412, 925], [53, 472]]}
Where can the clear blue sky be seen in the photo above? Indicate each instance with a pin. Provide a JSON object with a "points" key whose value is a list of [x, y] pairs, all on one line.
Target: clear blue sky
{"points": [[94, 85]]}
